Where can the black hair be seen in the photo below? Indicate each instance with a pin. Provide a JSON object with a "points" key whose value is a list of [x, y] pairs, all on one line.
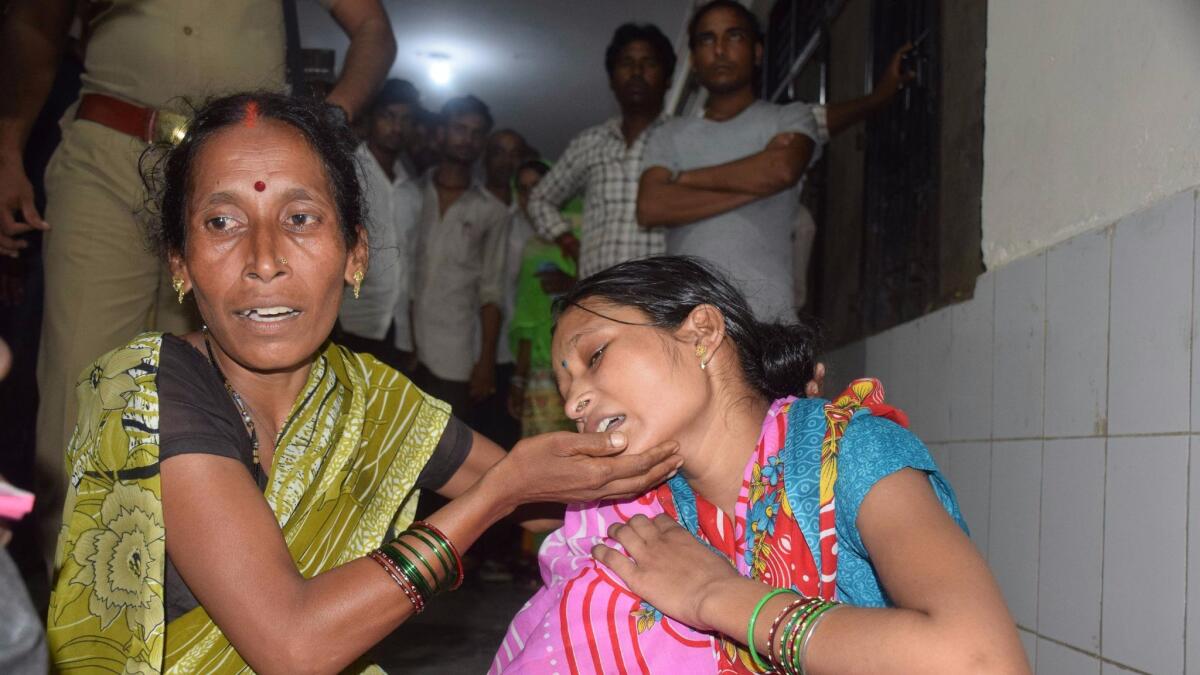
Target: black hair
{"points": [[511, 132], [466, 105], [541, 166], [167, 170], [425, 117], [738, 8], [777, 359], [628, 33], [396, 91]]}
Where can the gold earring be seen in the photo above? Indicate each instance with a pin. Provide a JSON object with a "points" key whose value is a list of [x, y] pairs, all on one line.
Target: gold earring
{"points": [[177, 284], [701, 352], [358, 277]]}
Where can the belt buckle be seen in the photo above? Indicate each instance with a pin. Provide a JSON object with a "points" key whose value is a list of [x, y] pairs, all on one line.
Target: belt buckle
{"points": [[169, 127]]}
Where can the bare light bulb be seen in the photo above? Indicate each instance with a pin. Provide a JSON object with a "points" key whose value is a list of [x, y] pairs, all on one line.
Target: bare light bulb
{"points": [[440, 72]]}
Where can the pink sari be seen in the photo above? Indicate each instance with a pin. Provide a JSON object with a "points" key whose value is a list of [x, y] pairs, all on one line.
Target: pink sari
{"points": [[585, 620]]}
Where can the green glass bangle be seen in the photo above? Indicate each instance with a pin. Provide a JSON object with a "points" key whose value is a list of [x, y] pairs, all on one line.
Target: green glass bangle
{"points": [[424, 563], [788, 642], [797, 661], [443, 545], [418, 579], [409, 569], [783, 637], [754, 619], [451, 551], [449, 571], [794, 614], [796, 604], [801, 627], [813, 629], [414, 574]]}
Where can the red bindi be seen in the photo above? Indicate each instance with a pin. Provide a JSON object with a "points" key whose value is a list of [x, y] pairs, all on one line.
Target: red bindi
{"points": [[259, 186], [251, 117]]}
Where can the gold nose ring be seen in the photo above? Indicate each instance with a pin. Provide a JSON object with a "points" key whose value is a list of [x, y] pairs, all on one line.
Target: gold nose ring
{"points": [[283, 261], [582, 404]]}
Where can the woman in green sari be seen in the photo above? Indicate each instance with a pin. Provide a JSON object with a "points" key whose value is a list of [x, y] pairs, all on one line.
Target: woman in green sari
{"points": [[232, 490]]}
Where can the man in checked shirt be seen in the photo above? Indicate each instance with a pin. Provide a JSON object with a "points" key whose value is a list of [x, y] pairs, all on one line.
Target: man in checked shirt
{"points": [[604, 162]]}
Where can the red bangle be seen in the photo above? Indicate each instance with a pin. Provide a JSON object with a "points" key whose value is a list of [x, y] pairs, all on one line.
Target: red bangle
{"points": [[449, 544], [779, 619], [410, 592]]}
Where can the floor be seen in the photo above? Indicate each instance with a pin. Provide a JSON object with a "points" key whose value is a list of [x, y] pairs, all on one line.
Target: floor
{"points": [[459, 633]]}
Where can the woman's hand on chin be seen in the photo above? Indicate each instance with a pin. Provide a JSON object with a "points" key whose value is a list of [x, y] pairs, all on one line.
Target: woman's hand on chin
{"points": [[569, 468], [668, 567]]}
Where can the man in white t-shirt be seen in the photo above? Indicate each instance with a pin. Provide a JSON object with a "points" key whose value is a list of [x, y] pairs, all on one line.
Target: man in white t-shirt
{"points": [[377, 322]]}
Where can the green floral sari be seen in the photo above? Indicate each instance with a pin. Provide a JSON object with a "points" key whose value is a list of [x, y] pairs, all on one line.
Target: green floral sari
{"points": [[345, 465]]}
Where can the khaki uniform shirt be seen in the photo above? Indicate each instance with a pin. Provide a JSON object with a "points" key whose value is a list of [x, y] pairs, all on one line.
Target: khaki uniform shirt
{"points": [[164, 53], [458, 268]]}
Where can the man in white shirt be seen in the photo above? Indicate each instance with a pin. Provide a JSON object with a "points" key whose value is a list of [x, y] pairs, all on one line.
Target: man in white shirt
{"points": [[377, 322], [458, 265], [505, 151]]}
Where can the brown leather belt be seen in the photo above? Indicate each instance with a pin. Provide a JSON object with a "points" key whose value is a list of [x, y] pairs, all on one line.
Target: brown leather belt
{"points": [[148, 124]]}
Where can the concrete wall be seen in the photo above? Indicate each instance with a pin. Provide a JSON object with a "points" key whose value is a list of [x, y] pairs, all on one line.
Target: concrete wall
{"points": [[1092, 112]]}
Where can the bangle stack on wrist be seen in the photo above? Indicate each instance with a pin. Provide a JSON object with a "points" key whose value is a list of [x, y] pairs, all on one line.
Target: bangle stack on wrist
{"points": [[412, 571], [789, 651]]}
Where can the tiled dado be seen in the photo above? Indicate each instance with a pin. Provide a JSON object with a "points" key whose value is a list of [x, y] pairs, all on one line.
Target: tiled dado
{"points": [[1063, 403], [1150, 325]]}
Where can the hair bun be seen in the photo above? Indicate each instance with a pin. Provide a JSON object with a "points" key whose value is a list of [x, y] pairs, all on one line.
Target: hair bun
{"points": [[786, 358]]}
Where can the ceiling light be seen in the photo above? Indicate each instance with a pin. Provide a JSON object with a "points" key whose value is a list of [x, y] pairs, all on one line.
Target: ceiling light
{"points": [[440, 72]]}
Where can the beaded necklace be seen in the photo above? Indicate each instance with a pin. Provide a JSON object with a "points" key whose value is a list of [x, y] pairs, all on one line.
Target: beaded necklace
{"points": [[241, 406]]}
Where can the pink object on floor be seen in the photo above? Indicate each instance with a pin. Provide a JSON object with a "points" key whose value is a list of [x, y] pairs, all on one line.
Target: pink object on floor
{"points": [[14, 502]]}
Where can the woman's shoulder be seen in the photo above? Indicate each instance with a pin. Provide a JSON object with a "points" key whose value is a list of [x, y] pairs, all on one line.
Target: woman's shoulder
{"points": [[869, 434], [119, 385], [141, 352], [115, 375], [184, 372], [872, 430]]}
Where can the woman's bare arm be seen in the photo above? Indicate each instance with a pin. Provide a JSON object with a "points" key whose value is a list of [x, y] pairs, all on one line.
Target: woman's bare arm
{"points": [[949, 615], [229, 550]]}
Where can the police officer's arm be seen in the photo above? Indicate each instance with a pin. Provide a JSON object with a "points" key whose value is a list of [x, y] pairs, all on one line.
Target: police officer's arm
{"points": [[31, 41], [370, 55]]}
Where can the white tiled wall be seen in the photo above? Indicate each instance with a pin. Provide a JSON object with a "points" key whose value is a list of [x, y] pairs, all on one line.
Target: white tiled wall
{"points": [[1019, 349], [1071, 552], [1077, 335], [1063, 404], [1151, 319]]}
